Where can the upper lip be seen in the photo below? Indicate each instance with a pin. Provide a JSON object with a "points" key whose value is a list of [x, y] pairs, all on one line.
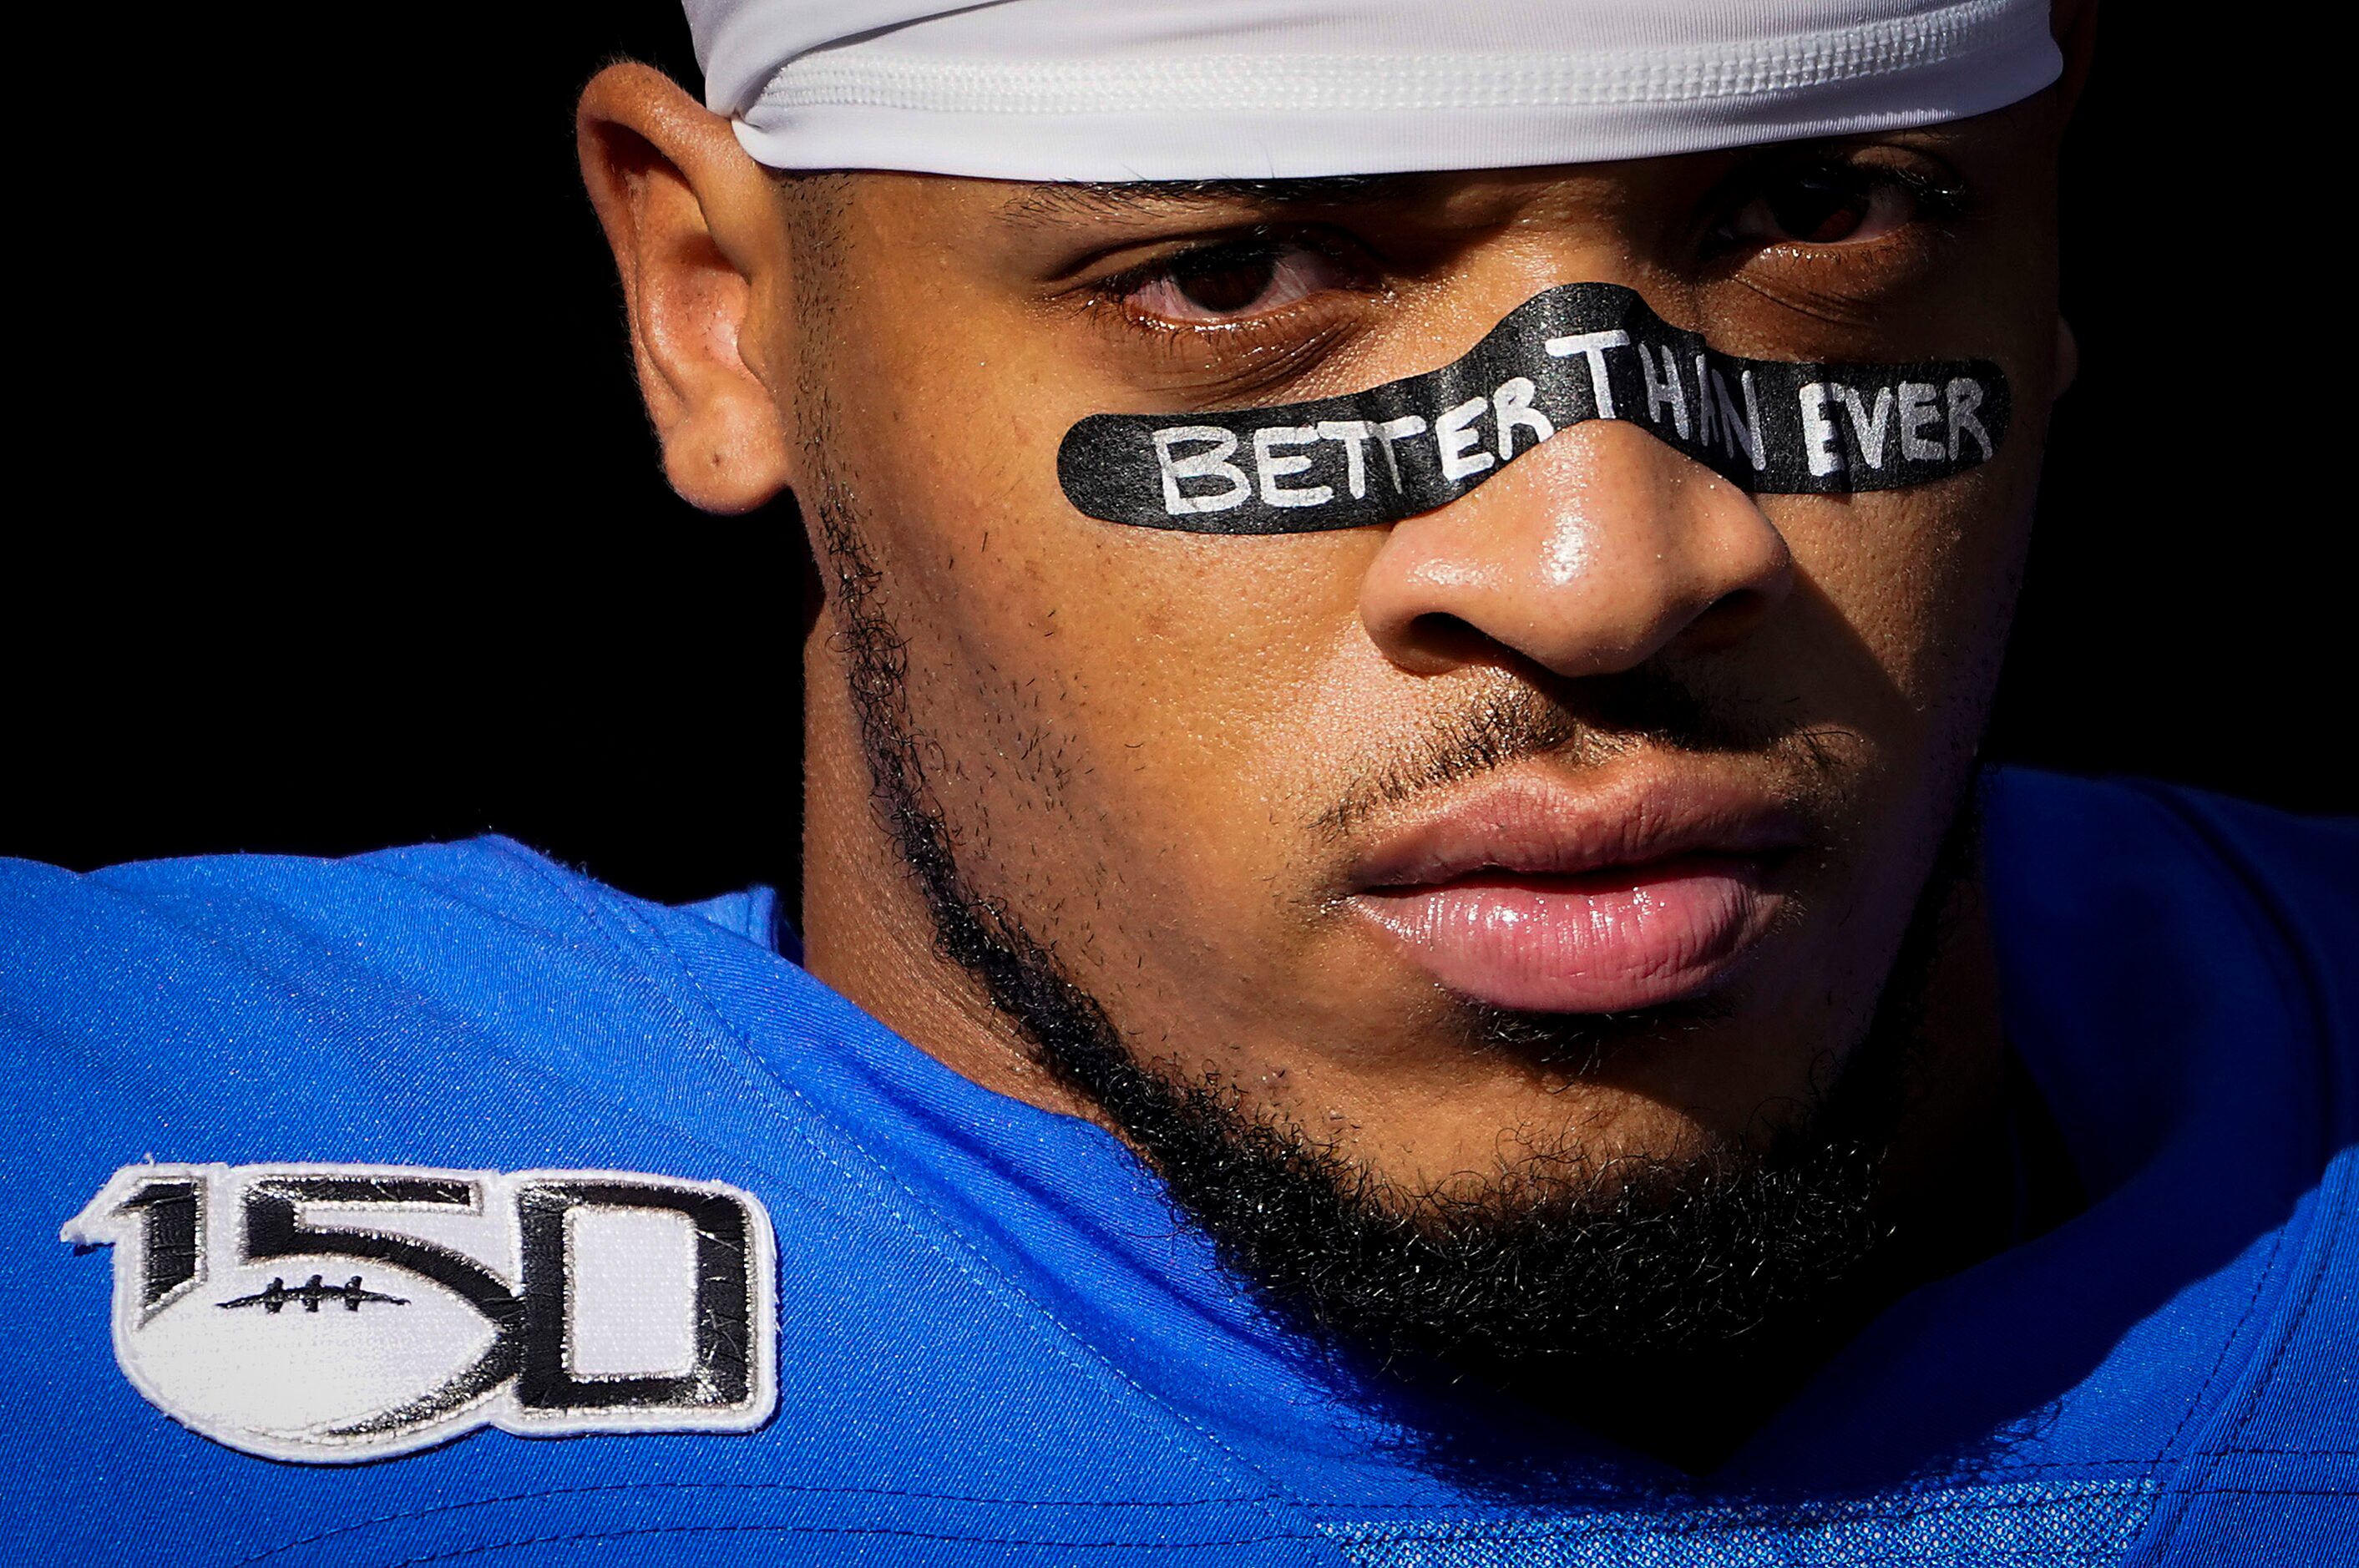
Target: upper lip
{"points": [[1521, 823]]}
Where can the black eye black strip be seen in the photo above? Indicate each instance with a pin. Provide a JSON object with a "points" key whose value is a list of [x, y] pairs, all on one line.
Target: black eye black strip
{"points": [[1580, 351]]}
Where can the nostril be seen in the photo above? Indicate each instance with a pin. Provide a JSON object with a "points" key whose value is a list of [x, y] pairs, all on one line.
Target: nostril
{"points": [[1431, 643], [1447, 637], [1726, 620]]}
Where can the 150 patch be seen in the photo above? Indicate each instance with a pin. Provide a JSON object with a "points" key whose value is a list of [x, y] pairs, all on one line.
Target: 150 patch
{"points": [[327, 1314]]}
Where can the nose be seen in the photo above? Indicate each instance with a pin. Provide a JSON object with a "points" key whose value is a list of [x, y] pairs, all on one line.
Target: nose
{"points": [[1593, 554]]}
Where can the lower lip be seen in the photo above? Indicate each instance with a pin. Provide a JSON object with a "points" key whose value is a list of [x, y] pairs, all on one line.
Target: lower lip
{"points": [[1603, 943]]}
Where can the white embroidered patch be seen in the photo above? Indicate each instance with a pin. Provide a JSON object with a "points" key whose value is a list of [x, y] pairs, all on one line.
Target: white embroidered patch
{"points": [[327, 1313]]}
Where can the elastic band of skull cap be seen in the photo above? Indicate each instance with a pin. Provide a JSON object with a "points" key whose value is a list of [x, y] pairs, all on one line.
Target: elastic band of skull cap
{"points": [[1146, 90]]}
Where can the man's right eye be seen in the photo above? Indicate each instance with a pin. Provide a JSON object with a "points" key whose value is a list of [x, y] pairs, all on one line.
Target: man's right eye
{"points": [[1232, 281]]}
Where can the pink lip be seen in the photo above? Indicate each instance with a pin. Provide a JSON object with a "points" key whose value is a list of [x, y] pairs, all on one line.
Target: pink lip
{"points": [[1531, 896]]}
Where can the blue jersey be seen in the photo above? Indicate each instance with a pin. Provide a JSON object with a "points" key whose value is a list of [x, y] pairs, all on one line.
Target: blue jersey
{"points": [[443, 1206]]}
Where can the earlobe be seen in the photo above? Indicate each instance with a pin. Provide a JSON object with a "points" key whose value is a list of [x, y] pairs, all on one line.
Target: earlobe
{"points": [[701, 249], [2074, 25]]}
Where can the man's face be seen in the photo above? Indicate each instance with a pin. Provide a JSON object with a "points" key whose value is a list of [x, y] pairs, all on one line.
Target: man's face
{"points": [[1581, 817]]}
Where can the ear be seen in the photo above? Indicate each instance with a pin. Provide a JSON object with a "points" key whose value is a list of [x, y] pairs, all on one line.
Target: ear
{"points": [[2067, 359], [2074, 25], [700, 239]]}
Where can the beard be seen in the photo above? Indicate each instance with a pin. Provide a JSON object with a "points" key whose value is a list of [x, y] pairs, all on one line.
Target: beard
{"points": [[1591, 1278]]}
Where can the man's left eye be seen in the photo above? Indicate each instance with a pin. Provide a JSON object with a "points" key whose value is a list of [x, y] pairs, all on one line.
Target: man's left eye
{"points": [[1825, 207], [1234, 282]]}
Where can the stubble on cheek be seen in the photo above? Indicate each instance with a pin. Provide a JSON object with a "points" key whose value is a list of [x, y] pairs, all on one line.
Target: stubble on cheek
{"points": [[1015, 722]]}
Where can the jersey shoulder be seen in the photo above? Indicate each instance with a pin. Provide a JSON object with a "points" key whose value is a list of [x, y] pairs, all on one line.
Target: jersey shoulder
{"points": [[2182, 972], [302, 1121], [2128, 908], [295, 995]]}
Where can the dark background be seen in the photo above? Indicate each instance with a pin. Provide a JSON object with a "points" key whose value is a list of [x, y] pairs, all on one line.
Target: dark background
{"points": [[362, 537]]}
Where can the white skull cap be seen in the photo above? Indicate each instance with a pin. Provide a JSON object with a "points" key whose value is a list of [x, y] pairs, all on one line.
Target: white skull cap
{"points": [[1132, 90]]}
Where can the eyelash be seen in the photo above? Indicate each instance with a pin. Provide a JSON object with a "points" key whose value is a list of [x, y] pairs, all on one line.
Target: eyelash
{"points": [[1274, 342], [1267, 347], [1196, 259]]}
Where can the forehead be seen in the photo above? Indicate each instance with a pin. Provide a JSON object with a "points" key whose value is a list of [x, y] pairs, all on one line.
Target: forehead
{"points": [[1432, 200], [1452, 198], [1990, 150], [1085, 200]]}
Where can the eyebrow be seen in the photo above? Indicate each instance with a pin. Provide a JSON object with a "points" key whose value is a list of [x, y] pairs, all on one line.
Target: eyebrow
{"points": [[1047, 204]]}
